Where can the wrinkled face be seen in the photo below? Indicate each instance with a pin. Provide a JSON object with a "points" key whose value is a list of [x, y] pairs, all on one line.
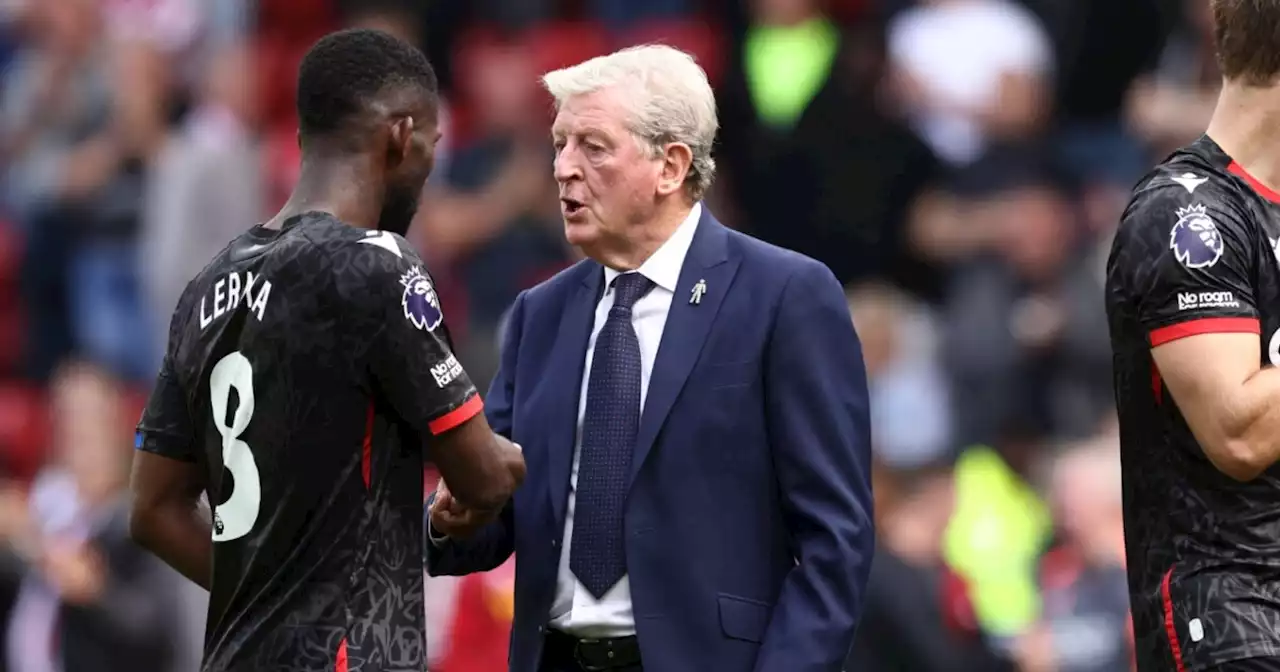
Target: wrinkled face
{"points": [[410, 158], [608, 180]]}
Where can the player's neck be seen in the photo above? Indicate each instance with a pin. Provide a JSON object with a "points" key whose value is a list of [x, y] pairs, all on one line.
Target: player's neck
{"points": [[335, 187], [1246, 125]]}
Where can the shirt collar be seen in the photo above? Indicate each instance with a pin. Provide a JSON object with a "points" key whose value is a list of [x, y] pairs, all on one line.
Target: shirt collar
{"points": [[663, 266]]}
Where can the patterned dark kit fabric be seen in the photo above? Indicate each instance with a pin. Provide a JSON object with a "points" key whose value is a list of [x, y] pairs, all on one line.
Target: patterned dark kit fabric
{"points": [[308, 400], [1195, 253]]}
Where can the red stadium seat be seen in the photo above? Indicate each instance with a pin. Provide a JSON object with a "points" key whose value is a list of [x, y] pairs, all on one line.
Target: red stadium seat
{"points": [[24, 430], [10, 253], [295, 18], [697, 37], [11, 316], [561, 44]]}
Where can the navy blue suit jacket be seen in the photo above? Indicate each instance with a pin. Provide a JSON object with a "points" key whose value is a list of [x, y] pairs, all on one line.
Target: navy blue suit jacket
{"points": [[748, 524]]}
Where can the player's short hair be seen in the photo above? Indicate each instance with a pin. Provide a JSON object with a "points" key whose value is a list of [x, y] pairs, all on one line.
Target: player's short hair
{"points": [[345, 71], [668, 94], [1245, 32]]}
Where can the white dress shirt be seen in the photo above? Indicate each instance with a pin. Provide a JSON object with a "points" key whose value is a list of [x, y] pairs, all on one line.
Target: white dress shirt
{"points": [[574, 609]]}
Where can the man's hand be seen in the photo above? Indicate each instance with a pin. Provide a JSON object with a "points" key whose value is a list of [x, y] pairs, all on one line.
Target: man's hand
{"points": [[458, 521], [514, 458], [453, 519], [75, 570]]}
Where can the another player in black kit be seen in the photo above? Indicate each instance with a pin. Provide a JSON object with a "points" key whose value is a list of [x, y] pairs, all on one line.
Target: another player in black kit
{"points": [[1193, 297], [308, 375]]}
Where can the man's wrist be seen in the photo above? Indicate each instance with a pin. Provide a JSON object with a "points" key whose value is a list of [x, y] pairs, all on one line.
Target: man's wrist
{"points": [[433, 535], [438, 540]]}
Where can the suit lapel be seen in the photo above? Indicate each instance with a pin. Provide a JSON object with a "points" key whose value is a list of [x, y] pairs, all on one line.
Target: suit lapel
{"points": [[567, 360], [686, 329]]}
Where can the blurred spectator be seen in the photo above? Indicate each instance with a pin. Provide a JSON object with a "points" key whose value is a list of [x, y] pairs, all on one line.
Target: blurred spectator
{"points": [[1171, 105], [910, 413], [85, 211], [907, 625], [971, 73], [1101, 46], [996, 536], [204, 188], [109, 316], [56, 101], [809, 161], [56, 95], [1027, 335], [1084, 625], [89, 598], [490, 224]]}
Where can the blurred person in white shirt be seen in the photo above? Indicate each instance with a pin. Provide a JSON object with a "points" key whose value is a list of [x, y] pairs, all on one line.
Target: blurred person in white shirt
{"points": [[970, 72]]}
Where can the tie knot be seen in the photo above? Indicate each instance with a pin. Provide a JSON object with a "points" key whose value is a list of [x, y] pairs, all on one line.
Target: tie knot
{"points": [[628, 288]]}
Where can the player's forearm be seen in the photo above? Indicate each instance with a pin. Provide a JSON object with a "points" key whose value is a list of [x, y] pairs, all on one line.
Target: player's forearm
{"points": [[1251, 428], [181, 536], [492, 484], [483, 470]]}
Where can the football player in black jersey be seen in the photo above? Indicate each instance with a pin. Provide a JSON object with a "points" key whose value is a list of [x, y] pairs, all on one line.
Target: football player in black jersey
{"points": [[1193, 300], [308, 375]]}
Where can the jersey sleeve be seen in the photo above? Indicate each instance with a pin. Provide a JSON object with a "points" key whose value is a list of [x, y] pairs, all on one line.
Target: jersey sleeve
{"points": [[166, 427], [1183, 264], [410, 356]]}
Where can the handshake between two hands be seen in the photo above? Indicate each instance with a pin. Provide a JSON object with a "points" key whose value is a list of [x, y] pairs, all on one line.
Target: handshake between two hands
{"points": [[456, 520]]}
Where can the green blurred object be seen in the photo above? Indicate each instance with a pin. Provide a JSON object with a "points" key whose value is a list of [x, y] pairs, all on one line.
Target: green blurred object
{"points": [[786, 66], [994, 540]]}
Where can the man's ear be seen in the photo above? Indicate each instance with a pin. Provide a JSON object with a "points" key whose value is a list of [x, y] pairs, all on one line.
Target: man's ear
{"points": [[401, 140], [677, 159]]}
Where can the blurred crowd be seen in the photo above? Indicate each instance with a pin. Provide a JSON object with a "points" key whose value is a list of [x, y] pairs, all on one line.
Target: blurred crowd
{"points": [[959, 164]]}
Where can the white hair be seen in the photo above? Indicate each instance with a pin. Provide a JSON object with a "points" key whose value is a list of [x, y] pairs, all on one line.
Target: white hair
{"points": [[670, 100]]}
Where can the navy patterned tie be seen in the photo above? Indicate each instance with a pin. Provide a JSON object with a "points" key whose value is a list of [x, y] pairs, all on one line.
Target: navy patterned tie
{"points": [[609, 430]]}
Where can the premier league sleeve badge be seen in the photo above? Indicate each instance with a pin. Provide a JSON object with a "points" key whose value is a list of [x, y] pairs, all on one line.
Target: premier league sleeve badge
{"points": [[1195, 239], [419, 301]]}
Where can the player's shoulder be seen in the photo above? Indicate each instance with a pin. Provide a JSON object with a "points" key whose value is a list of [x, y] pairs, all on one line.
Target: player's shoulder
{"points": [[356, 249], [1189, 190], [362, 260], [1191, 176]]}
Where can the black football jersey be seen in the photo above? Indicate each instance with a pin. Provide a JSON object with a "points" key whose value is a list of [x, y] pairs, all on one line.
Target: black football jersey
{"points": [[306, 368], [1195, 253]]}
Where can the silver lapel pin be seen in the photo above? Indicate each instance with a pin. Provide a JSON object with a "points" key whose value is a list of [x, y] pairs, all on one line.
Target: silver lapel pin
{"points": [[699, 289]]}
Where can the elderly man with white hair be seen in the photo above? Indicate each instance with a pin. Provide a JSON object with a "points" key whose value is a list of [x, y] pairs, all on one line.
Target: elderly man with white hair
{"points": [[692, 404]]}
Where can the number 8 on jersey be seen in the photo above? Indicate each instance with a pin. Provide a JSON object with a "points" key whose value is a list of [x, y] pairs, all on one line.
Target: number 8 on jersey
{"points": [[235, 517]]}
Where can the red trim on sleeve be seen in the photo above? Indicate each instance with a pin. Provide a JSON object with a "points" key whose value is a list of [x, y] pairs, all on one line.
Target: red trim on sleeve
{"points": [[340, 660], [1262, 189], [1157, 384], [1170, 628], [366, 453], [457, 416], [1205, 325]]}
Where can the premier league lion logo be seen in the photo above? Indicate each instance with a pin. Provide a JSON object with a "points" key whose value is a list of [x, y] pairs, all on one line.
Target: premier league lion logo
{"points": [[1195, 239], [420, 303]]}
